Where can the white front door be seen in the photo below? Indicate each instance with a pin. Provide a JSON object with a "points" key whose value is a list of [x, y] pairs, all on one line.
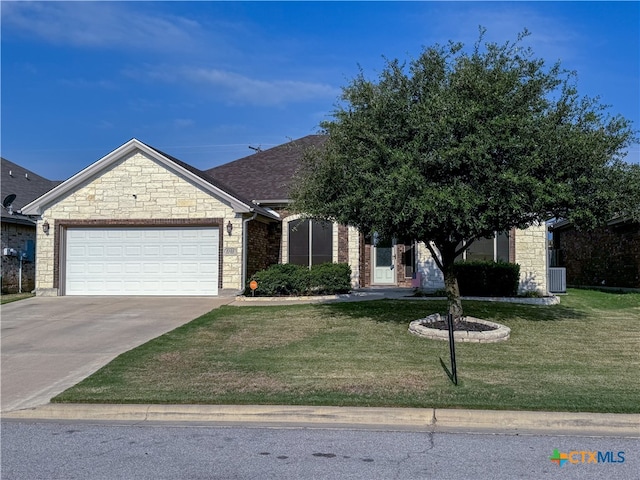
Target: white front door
{"points": [[384, 263]]}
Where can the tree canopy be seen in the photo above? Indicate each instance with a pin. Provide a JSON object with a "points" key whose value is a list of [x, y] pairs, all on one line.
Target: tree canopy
{"points": [[454, 146]]}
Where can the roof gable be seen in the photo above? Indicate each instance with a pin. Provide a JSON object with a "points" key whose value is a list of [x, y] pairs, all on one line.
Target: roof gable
{"points": [[94, 170], [266, 176]]}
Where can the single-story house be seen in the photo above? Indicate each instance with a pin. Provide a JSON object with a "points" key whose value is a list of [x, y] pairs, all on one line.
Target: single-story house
{"points": [[608, 256], [141, 222], [19, 187]]}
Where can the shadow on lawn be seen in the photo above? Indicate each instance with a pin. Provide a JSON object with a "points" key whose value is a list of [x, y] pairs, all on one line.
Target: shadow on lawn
{"points": [[400, 311]]}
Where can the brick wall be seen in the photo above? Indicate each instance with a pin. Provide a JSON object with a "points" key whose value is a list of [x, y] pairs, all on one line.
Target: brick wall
{"points": [[263, 245], [15, 236], [607, 256]]}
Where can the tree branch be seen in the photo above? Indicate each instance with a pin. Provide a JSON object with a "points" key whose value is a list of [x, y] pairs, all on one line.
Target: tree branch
{"points": [[434, 254]]}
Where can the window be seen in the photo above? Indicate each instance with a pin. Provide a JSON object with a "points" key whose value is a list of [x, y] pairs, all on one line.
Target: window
{"points": [[310, 242], [492, 249], [409, 259]]}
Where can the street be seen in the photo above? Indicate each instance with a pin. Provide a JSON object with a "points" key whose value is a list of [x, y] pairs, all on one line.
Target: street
{"points": [[75, 450]]}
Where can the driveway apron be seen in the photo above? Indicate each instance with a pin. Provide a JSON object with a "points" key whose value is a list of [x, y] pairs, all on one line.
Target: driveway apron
{"points": [[51, 343]]}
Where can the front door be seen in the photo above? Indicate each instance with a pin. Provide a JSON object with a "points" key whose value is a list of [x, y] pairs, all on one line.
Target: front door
{"points": [[384, 263]]}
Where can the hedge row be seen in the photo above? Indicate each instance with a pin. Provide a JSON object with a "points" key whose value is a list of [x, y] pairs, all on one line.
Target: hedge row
{"points": [[288, 279], [488, 279]]}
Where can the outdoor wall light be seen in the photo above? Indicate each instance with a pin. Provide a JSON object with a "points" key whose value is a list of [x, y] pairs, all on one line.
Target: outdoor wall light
{"points": [[229, 228], [45, 227]]}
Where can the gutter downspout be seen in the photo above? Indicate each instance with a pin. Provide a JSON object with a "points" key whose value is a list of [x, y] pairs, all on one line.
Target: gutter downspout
{"points": [[245, 241]]}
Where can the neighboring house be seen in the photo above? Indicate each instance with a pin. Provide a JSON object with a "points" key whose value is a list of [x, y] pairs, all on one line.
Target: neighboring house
{"points": [[19, 187], [605, 257], [140, 222]]}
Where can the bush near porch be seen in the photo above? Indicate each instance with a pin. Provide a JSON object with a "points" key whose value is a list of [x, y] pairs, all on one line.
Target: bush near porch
{"points": [[288, 279], [488, 279]]}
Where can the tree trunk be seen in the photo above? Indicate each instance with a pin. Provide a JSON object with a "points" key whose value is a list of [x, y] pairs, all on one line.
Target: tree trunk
{"points": [[453, 291], [445, 257]]}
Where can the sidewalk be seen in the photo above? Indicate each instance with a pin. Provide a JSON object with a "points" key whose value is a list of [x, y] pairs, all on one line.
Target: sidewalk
{"points": [[282, 416], [378, 293]]}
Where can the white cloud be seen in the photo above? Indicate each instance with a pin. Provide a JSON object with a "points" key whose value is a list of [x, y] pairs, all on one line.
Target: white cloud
{"points": [[99, 24], [84, 83], [235, 88], [242, 89]]}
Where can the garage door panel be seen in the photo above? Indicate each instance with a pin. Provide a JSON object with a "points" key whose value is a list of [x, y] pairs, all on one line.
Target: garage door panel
{"points": [[170, 268], [170, 250], [209, 268], [151, 268], [142, 261], [151, 250]]}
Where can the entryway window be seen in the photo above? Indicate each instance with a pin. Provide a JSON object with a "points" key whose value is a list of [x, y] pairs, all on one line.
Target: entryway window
{"points": [[492, 249], [310, 242]]}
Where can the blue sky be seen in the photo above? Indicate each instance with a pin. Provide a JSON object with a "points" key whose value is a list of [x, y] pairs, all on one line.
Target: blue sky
{"points": [[203, 81]]}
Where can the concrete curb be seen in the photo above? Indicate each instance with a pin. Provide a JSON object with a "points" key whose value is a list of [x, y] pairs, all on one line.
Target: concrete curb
{"points": [[414, 419], [375, 295]]}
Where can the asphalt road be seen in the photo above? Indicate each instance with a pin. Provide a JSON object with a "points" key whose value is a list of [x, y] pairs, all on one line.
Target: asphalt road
{"points": [[75, 450]]}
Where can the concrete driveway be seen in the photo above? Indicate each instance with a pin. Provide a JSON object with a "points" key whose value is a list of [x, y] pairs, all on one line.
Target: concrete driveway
{"points": [[51, 343]]}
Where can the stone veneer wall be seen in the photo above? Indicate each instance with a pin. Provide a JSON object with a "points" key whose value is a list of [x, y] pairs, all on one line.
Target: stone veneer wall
{"points": [[531, 253], [353, 246], [138, 188], [15, 235], [528, 248]]}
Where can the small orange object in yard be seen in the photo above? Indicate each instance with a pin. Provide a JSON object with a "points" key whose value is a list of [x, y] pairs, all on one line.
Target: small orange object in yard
{"points": [[253, 285]]}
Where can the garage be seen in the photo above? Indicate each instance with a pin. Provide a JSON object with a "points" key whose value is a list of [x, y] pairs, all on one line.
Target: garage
{"points": [[141, 261]]}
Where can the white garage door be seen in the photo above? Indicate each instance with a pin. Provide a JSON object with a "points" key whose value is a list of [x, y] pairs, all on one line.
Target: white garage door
{"points": [[142, 261]]}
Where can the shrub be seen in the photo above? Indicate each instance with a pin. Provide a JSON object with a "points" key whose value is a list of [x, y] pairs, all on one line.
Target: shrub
{"points": [[281, 279], [488, 279], [330, 278], [289, 279]]}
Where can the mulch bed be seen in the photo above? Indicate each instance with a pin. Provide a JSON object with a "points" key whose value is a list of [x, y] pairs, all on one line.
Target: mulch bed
{"points": [[461, 325]]}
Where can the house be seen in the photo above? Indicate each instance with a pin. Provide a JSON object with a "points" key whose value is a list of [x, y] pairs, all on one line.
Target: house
{"points": [[141, 222], [19, 187], [608, 256]]}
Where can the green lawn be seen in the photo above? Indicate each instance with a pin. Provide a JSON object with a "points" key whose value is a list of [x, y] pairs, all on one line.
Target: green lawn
{"points": [[14, 297], [581, 355]]}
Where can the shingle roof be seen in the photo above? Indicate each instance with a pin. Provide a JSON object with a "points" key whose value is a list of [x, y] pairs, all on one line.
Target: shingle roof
{"points": [[24, 184], [266, 175], [213, 181]]}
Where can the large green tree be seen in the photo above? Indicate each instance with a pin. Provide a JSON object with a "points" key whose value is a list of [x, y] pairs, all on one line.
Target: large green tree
{"points": [[455, 146]]}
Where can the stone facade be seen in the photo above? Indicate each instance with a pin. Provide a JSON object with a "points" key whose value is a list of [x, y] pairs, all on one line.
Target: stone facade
{"points": [[527, 247], [137, 190], [531, 253], [17, 236]]}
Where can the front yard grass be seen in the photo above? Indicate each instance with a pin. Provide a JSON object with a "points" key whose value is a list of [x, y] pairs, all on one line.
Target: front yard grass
{"points": [[14, 297], [582, 355]]}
